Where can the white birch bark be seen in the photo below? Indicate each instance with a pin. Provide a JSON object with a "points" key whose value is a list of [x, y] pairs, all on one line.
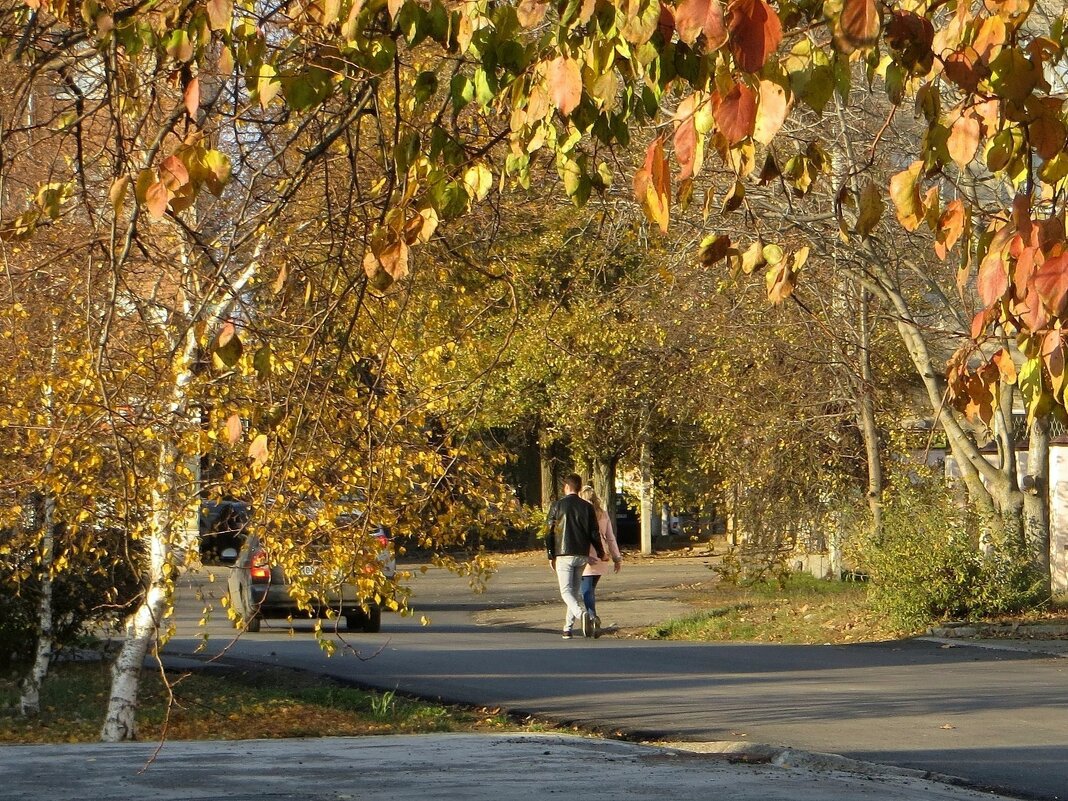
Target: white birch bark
{"points": [[645, 466], [144, 627], [30, 699]]}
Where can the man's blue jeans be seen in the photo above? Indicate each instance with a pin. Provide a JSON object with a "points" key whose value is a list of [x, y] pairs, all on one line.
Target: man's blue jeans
{"points": [[569, 574]]}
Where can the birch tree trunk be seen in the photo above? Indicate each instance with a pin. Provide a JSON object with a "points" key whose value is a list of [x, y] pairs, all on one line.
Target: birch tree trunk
{"points": [[866, 419], [645, 466], [30, 699], [168, 511]]}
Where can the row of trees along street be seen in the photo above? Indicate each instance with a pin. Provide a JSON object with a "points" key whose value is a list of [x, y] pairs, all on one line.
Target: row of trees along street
{"points": [[317, 254]]}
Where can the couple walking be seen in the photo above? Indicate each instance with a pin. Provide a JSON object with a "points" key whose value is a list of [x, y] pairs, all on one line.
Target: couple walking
{"points": [[580, 542]]}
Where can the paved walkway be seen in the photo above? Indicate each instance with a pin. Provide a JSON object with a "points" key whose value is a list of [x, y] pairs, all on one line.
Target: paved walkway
{"points": [[456, 767]]}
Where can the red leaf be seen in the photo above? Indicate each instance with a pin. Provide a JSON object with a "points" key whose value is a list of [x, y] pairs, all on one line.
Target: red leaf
{"points": [[858, 26], [1034, 314], [963, 68], [993, 280], [1051, 283], [755, 33], [735, 114], [694, 17], [192, 98], [565, 84], [666, 23], [173, 173]]}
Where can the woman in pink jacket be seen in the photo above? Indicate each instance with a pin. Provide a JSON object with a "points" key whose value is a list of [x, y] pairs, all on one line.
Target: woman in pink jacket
{"points": [[599, 567]]}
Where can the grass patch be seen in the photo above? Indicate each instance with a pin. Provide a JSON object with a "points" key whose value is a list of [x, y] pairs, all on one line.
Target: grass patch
{"points": [[804, 611], [234, 704]]}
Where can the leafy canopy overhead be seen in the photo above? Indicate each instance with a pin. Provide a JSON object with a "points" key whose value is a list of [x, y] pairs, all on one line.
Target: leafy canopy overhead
{"points": [[573, 78]]}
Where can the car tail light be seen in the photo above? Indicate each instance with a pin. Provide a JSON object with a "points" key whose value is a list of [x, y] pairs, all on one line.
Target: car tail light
{"points": [[260, 568]]}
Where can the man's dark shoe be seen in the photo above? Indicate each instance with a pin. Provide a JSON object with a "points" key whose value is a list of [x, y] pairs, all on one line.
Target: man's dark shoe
{"points": [[596, 626], [587, 624], [567, 634]]}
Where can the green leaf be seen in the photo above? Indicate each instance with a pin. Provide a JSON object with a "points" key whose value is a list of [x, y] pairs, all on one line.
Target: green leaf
{"points": [[263, 362], [462, 91], [228, 348], [179, 46], [485, 87], [426, 86]]}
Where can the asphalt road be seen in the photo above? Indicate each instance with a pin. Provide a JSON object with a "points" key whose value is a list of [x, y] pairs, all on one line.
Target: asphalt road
{"points": [[998, 719]]}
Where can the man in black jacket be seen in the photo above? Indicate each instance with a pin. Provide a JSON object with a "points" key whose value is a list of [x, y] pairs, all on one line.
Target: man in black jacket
{"points": [[572, 532]]}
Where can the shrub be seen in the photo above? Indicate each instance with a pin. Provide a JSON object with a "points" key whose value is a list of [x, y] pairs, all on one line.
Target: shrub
{"points": [[94, 589], [928, 565]]}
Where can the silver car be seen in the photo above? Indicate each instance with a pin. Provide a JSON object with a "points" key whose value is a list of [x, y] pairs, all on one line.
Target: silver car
{"points": [[261, 590]]}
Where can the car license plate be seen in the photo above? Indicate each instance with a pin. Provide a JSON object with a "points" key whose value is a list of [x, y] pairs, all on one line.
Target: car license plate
{"points": [[307, 570]]}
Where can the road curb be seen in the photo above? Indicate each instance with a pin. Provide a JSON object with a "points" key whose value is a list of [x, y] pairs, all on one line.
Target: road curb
{"points": [[1019, 647], [785, 757]]}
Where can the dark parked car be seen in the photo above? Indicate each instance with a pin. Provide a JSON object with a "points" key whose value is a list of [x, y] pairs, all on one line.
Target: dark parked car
{"points": [[261, 590]]}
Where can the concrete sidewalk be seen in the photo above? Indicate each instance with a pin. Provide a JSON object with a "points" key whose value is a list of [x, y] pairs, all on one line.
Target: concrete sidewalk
{"points": [[464, 767]]}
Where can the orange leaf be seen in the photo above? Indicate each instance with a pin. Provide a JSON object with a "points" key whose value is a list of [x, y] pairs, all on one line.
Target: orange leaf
{"points": [[950, 227], [771, 112], [652, 185], [1052, 353], [858, 25], [565, 84], [780, 281], [1051, 283], [257, 451], [233, 428], [156, 199], [905, 192], [1006, 366], [963, 141], [696, 17], [686, 146], [736, 113], [192, 98], [531, 12], [755, 33]]}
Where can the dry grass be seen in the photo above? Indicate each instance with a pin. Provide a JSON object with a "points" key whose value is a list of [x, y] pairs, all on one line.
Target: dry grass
{"points": [[804, 610], [231, 704]]}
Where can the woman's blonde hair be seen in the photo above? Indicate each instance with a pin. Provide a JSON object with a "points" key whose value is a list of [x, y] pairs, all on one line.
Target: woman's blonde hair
{"points": [[589, 494]]}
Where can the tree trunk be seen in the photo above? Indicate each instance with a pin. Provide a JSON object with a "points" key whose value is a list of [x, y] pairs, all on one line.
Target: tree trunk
{"points": [[170, 507], [549, 491], [603, 479], [1036, 516], [866, 420], [645, 466], [30, 700]]}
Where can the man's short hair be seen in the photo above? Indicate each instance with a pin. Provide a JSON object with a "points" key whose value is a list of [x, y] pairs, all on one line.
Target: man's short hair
{"points": [[574, 482]]}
